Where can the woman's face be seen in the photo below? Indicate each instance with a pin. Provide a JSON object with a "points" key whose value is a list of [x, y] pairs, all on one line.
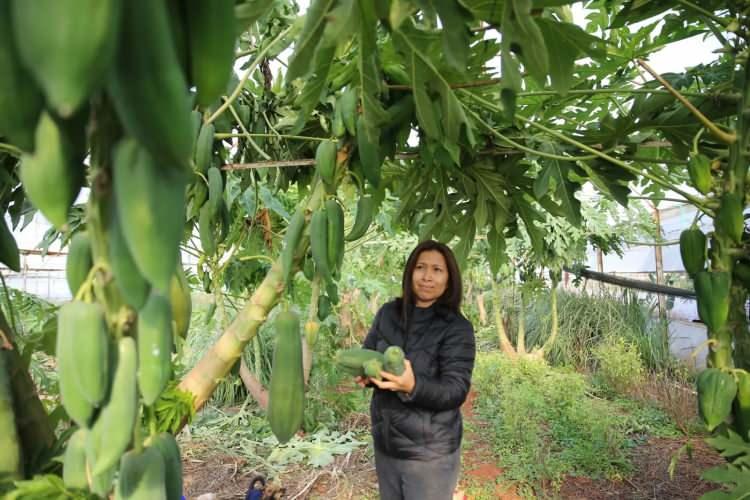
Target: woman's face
{"points": [[430, 277]]}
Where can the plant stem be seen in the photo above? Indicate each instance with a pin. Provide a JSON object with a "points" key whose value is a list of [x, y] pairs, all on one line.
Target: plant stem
{"points": [[255, 146], [727, 138], [9, 148], [723, 22], [523, 148], [621, 90], [279, 136], [698, 202]]}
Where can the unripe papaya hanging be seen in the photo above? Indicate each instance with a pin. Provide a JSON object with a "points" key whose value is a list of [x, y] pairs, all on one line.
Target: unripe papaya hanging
{"points": [[154, 346], [335, 235], [21, 101], [142, 476], [699, 170], [211, 38], [325, 161], [693, 250], [79, 261], [53, 175], [363, 219], [286, 403], [147, 84], [716, 391], [113, 430], [319, 243], [730, 217], [712, 290], [68, 45], [291, 240], [151, 207]]}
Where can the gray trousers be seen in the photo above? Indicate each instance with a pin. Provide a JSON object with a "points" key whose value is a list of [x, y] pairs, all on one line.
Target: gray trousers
{"points": [[400, 479]]}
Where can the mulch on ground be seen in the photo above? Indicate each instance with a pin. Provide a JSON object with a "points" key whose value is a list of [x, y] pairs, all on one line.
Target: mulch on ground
{"points": [[650, 478]]}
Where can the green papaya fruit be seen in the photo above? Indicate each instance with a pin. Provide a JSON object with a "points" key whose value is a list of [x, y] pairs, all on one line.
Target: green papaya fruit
{"points": [[166, 445], [11, 463], [215, 191], [9, 254], [21, 101], [142, 476], [79, 261], [101, 483], [699, 170], [325, 161], [154, 346], [291, 240], [363, 219], [319, 243], [730, 218], [128, 278], [204, 147], [338, 128], [324, 307], [308, 268], [741, 405], [205, 230], [369, 154], [69, 48], [113, 430], [211, 38], [53, 175], [151, 209], [82, 359], [148, 87], [372, 368], [393, 360], [712, 291], [286, 397], [716, 391], [180, 299], [348, 105], [74, 460], [693, 250], [335, 234]]}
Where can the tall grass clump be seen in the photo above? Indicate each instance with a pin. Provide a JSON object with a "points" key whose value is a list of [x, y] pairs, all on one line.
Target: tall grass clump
{"points": [[587, 320]]}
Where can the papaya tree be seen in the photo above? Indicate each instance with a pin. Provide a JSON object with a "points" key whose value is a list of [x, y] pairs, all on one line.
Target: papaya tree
{"points": [[396, 98]]}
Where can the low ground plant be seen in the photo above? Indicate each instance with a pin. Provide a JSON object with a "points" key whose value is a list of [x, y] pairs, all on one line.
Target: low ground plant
{"points": [[545, 422]]}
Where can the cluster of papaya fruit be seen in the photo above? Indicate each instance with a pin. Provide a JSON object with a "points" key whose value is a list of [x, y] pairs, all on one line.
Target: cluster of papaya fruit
{"points": [[723, 393], [362, 362], [102, 88]]}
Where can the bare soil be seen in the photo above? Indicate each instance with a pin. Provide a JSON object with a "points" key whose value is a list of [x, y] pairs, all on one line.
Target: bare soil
{"points": [[353, 476]]}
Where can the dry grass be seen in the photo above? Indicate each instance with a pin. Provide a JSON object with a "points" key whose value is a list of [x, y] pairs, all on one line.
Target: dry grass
{"points": [[676, 398]]}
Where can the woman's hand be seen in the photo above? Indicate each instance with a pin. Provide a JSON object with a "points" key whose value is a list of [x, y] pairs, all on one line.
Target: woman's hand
{"points": [[361, 381], [398, 383]]}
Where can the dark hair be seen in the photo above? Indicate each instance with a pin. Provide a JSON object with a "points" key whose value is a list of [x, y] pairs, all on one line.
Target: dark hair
{"points": [[451, 298]]}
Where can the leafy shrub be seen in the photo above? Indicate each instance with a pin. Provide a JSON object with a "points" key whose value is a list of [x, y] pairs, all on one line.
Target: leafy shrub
{"points": [[619, 368], [544, 425]]}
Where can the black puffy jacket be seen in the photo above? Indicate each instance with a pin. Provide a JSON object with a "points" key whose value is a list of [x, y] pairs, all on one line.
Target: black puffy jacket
{"points": [[440, 345]]}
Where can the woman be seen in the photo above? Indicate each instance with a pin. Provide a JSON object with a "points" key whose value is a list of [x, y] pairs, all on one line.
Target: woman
{"points": [[416, 420]]}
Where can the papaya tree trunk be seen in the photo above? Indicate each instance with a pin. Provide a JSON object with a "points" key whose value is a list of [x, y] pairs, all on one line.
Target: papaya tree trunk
{"points": [[554, 327], [737, 322], [521, 342], [34, 427], [505, 346], [202, 379], [482, 309], [253, 385]]}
